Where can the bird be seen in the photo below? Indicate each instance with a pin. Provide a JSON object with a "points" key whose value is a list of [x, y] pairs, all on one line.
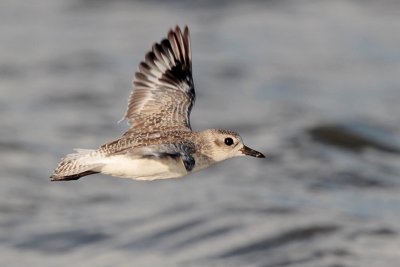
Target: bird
{"points": [[160, 142]]}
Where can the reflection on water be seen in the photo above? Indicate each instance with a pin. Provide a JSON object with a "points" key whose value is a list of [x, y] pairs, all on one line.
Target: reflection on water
{"points": [[313, 85]]}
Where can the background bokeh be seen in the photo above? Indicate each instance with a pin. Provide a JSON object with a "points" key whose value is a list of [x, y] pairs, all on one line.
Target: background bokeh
{"points": [[313, 84]]}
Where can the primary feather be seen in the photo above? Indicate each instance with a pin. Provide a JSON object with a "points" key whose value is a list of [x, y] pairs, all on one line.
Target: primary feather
{"points": [[163, 93]]}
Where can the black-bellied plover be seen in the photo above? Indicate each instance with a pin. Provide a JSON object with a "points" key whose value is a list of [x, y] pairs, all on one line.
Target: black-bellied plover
{"points": [[160, 143]]}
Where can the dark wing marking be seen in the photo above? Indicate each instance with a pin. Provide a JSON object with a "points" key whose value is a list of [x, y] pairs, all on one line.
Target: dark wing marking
{"points": [[189, 162], [183, 151], [163, 93]]}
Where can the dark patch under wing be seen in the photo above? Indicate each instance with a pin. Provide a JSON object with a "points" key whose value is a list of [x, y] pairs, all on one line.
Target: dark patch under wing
{"points": [[189, 162], [182, 151]]}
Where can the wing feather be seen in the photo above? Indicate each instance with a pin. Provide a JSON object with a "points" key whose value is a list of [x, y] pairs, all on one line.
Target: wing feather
{"points": [[163, 93]]}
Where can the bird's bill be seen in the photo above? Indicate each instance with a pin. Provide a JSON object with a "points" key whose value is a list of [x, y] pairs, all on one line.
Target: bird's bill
{"points": [[251, 152]]}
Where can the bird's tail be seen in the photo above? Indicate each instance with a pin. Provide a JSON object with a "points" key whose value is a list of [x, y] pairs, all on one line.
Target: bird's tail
{"points": [[76, 165]]}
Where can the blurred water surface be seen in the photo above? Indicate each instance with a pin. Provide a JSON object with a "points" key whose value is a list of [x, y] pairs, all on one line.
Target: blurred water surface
{"points": [[313, 84]]}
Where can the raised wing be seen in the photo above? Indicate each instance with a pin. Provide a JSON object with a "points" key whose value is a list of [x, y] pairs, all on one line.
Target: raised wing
{"points": [[163, 93]]}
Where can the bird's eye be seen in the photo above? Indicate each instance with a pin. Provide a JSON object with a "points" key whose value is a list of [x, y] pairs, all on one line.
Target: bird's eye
{"points": [[228, 141]]}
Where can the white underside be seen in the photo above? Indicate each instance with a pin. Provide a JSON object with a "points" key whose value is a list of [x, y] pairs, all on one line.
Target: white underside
{"points": [[141, 168]]}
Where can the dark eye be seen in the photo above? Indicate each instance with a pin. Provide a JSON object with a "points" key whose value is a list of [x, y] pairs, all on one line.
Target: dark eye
{"points": [[228, 141]]}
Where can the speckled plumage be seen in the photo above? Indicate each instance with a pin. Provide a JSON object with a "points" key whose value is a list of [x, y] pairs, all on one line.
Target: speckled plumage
{"points": [[159, 143]]}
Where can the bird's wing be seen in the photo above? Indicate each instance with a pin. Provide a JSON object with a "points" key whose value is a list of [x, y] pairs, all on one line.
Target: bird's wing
{"points": [[163, 93], [181, 151]]}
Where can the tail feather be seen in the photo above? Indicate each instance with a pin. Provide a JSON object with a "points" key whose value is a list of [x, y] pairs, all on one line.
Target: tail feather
{"points": [[72, 177], [74, 166]]}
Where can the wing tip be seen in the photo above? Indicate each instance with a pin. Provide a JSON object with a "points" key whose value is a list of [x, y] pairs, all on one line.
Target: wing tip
{"points": [[178, 29]]}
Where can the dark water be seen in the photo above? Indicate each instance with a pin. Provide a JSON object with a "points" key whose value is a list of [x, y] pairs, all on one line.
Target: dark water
{"points": [[314, 85]]}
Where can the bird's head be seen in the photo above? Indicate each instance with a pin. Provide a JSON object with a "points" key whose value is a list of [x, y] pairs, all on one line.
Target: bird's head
{"points": [[225, 144]]}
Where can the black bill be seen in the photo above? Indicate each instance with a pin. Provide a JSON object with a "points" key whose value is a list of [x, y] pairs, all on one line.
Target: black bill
{"points": [[251, 152]]}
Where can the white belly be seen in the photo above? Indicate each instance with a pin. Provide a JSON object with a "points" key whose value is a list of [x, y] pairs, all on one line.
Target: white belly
{"points": [[142, 168]]}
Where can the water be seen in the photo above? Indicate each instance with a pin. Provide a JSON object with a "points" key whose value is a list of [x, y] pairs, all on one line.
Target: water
{"points": [[314, 85]]}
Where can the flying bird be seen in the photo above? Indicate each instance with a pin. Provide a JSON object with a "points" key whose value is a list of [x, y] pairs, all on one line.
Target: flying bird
{"points": [[159, 143]]}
